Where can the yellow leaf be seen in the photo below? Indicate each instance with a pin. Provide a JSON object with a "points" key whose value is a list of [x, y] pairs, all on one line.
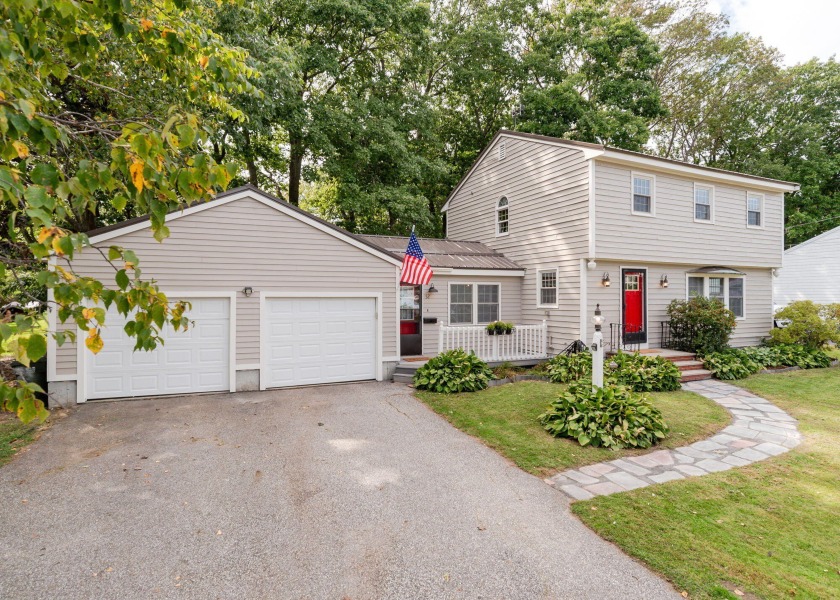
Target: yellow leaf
{"points": [[88, 314], [57, 247], [44, 234], [136, 170], [129, 265], [2, 96], [146, 24], [203, 62], [93, 341], [21, 149], [65, 274]]}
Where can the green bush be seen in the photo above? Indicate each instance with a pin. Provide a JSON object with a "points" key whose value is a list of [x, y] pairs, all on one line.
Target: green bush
{"points": [[643, 373], [568, 368], [810, 324], [731, 364], [611, 416], [700, 325], [452, 372], [788, 355]]}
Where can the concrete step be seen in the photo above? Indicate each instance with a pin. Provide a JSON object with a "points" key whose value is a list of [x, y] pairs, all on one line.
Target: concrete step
{"points": [[688, 365], [695, 375], [403, 378]]}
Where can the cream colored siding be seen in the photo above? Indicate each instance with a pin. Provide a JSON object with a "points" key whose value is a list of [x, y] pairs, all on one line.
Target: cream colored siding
{"points": [[437, 305], [672, 235], [749, 331], [246, 243], [547, 189], [811, 271], [65, 363]]}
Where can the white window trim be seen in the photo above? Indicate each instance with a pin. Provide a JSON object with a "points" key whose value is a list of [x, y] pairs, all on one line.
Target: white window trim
{"points": [[711, 188], [556, 272], [475, 285], [747, 210], [707, 276], [633, 211], [497, 210]]}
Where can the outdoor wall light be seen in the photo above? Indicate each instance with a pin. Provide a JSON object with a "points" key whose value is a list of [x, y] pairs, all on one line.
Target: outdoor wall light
{"points": [[248, 291], [605, 280], [663, 281], [432, 290]]}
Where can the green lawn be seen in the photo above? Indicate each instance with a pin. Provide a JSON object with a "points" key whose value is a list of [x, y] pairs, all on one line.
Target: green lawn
{"points": [[13, 435], [771, 529], [505, 418]]}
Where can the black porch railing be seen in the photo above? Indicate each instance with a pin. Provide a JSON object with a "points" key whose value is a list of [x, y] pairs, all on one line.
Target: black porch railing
{"points": [[625, 337], [677, 337]]}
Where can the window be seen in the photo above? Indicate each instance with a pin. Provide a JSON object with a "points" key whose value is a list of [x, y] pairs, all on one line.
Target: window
{"points": [[642, 195], [703, 195], [547, 281], [502, 216], [471, 304], [729, 290], [755, 206]]}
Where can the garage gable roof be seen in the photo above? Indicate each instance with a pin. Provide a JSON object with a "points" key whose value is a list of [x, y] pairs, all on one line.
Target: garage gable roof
{"points": [[249, 191]]}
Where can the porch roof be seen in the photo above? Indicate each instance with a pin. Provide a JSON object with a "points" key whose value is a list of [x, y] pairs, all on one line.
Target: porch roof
{"points": [[451, 254]]}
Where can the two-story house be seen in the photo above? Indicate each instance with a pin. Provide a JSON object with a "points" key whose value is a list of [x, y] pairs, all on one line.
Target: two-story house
{"points": [[593, 225]]}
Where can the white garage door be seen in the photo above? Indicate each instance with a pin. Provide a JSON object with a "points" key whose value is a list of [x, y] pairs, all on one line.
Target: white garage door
{"points": [[319, 340], [196, 360]]}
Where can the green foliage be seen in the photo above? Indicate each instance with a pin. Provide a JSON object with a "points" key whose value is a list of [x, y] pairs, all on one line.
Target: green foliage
{"points": [[739, 363], [730, 364], [810, 324], [568, 368], [499, 327], [701, 325], [643, 373], [611, 416], [452, 372]]}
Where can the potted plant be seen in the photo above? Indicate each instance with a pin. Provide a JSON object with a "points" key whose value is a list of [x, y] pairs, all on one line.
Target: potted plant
{"points": [[491, 328], [508, 328]]}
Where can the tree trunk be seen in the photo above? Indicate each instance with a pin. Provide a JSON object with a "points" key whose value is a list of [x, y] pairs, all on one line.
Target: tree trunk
{"points": [[253, 173], [295, 165]]}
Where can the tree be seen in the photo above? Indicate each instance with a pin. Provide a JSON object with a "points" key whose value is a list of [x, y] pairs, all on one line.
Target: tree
{"points": [[79, 136]]}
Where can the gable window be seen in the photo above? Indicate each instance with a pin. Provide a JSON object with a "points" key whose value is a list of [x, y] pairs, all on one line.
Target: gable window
{"points": [[502, 226], [755, 208], [472, 304], [729, 290], [547, 292], [703, 198], [643, 189]]}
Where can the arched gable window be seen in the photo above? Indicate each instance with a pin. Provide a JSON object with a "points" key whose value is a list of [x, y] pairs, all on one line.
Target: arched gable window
{"points": [[502, 225]]}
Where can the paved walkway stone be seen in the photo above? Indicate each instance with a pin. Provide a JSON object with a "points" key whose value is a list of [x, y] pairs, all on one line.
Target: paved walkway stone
{"points": [[759, 430]]}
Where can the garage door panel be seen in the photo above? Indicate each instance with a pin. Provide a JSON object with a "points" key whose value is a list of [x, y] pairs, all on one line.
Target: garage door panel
{"points": [[319, 340], [196, 360]]}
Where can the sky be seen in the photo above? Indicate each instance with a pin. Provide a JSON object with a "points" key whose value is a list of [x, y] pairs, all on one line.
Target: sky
{"points": [[800, 29]]}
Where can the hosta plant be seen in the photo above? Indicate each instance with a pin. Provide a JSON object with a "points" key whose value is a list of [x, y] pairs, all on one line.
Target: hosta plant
{"points": [[565, 368], [643, 373], [452, 372], [611, 417], [731, 364]]}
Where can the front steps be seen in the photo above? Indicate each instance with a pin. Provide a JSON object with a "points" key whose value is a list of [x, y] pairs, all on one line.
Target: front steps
{"points": [[404, 373]]}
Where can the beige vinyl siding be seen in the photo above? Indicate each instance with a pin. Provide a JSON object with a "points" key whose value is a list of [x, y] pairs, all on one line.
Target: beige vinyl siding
{"points": [[246, 243], [547, 189], [748, 331], [65, 363], [810, 271], [672, 235], [437, 305]]}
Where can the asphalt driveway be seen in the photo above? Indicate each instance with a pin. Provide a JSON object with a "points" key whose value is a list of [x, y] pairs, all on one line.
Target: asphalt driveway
{"points": [[346, 492]]}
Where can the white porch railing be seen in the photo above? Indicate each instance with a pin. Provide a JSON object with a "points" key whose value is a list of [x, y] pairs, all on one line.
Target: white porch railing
{"points": [[526, 342]]}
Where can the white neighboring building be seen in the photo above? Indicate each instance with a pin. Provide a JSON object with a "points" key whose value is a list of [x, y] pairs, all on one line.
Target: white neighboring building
{"points": [[810, 271]]}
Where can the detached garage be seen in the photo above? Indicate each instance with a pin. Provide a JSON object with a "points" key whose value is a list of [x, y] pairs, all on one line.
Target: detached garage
{"points": [[279, 298]]}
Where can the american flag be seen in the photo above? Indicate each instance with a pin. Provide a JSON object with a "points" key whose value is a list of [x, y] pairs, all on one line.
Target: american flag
{"points": [[415, 268]]}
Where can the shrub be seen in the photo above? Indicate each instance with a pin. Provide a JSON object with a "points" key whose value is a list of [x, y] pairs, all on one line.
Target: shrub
{"points": [[506, 370], [452, 372], [643, 373], [731, 364], [700, 325], [568, 368], [810, 324], [611, 416]]}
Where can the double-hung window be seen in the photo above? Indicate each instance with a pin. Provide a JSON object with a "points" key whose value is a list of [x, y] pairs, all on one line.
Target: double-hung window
{"points": [[729, 290], [643, 195], [703, 200], [755, 210], [547, 292], [471, 304], [502, 222]]}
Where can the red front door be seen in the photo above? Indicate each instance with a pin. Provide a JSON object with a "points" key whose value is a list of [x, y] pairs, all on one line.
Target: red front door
{"points": [[634, 305]]}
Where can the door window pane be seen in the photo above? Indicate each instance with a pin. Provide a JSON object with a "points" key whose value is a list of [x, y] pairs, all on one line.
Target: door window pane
{"points": [[460, 303], [488, 303]]}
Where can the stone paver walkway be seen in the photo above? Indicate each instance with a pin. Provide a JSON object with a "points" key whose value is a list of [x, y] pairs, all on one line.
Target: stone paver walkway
{"points": [[760, 429]]}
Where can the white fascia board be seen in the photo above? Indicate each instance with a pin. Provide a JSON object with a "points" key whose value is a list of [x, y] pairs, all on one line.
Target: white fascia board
{"points": [[479, 272], [691, 171], [108, 235]]}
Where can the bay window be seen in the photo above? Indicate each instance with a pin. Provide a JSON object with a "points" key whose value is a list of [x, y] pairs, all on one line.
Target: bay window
{"points": [[729, 290]]}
